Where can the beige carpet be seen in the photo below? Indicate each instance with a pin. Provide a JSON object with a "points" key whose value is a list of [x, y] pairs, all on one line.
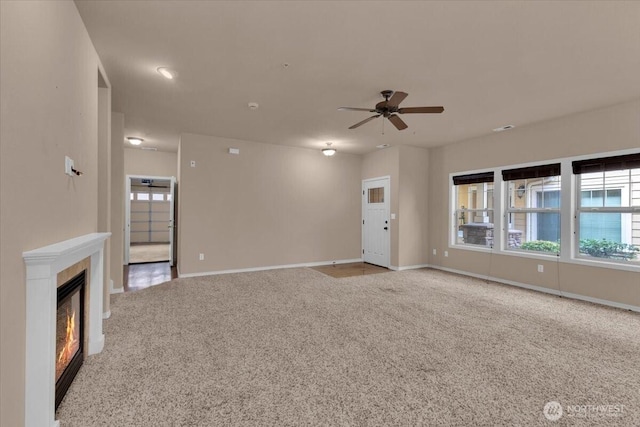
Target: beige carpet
{"points": [[152, 252], [296, 347]]}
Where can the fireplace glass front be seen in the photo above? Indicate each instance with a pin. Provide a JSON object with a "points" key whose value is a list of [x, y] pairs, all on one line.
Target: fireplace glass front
{"points": [[69, 333]]}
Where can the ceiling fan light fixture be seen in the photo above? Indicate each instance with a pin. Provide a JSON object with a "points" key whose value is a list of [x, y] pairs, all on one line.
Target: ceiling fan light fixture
{"points": [[329, 151], [165, 72], [133, 140]]}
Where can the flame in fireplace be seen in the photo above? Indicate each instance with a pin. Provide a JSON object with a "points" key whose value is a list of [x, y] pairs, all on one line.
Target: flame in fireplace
{"points": [[71, 339]]}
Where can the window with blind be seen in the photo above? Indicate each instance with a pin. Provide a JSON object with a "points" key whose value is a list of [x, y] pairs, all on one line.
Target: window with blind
{"points": [[608, 208], [533, 208], [473, 215]]}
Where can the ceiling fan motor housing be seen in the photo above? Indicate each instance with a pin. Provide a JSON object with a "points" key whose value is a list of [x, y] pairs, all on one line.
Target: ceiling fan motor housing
{"points": [[386, 94]]}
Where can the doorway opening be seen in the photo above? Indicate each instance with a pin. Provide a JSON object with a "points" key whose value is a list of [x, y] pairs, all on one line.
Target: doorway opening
{"points": [[150, 219]]}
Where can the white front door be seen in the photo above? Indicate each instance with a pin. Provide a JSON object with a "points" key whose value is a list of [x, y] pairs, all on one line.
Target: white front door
{"points": [[375, 221]]}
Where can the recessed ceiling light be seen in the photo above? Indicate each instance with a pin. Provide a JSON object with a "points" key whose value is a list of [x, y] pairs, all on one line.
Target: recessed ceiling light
{"points": [[507, 127], [253, 105], [382, 146], [165, 72], [134, 140]]}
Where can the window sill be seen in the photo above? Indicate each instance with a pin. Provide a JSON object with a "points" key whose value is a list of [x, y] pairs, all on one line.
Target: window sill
{"points": [[475, 248]]}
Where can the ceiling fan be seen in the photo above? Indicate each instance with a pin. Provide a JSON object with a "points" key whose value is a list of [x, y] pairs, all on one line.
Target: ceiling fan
{"points": [[389, 109]]}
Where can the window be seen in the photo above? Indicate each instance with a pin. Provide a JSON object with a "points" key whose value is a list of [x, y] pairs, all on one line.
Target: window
{"points": [[376, 195], [599, 206], [142, 196], [608, 208], [533, 208], [473, 214], [157, 197]]}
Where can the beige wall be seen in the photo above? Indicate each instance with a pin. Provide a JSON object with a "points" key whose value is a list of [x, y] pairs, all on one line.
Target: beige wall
{"points": [[48, 109], [413, 209], [117, 198], [270, 205], [408, 168], [150, 163], [607, 129], [104, 184]]}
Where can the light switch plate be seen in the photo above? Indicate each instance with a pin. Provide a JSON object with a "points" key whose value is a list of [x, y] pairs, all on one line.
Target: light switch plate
{"points": [[68, 166]]}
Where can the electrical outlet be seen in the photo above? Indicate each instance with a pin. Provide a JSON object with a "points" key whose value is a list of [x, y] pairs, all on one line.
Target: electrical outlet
{"points": [[435, 251], [201, 257], [540, 268], [446, 254], [193, 163]]}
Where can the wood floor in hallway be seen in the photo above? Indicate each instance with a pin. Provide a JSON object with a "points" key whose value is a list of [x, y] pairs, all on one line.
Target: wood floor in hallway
{"points": [[140, 276]]}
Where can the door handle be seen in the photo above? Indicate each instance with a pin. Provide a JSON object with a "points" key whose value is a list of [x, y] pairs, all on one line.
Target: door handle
{"points": [[386, 228]]}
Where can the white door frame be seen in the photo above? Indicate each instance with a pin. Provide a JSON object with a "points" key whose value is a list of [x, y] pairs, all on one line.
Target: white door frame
{"points": [[387, 199], [127, 214]]}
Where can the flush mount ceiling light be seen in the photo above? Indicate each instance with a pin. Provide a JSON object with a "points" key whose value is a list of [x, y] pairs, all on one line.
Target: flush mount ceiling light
{"points": [[507, 127], [328, 151], [165, 72], [134, 140], [382, 146]]}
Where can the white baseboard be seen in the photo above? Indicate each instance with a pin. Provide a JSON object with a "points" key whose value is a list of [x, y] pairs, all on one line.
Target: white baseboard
{"points": [[96, 346], [408, 267], [541, 289], [113, 290], [270, 267]]}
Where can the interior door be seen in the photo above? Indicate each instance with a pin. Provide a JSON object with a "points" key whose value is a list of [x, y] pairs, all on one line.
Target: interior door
{"points": [[375, 221]]}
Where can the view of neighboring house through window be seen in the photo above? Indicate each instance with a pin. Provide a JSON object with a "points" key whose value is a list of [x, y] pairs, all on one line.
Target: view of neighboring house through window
{"points": [[474, 209], [601, 213], [608, 207], [533, 208]]}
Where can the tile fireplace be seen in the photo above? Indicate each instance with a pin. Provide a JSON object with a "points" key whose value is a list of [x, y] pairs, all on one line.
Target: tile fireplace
{"points": [[79, 307]]}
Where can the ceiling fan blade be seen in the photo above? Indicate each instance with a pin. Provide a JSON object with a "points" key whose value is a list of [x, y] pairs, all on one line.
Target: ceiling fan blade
{"points": [[396, 99], [356, 109], [364, 121], [397, 122], [414, 110]]}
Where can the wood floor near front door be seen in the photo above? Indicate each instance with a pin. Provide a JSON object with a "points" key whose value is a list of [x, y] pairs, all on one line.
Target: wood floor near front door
{"points": [[350, 270]]}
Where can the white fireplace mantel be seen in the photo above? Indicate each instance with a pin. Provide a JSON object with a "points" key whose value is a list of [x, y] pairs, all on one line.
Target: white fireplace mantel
{"points": [[43, 266]]}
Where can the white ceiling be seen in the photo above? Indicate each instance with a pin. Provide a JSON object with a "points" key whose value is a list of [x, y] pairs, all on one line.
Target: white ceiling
{"points": [[488, 63]]}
